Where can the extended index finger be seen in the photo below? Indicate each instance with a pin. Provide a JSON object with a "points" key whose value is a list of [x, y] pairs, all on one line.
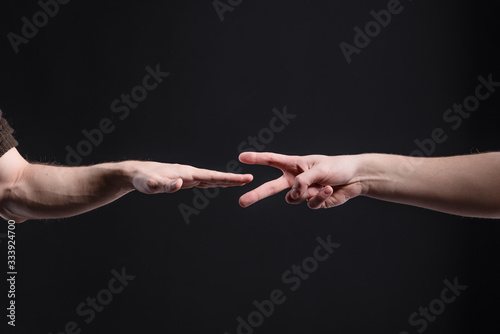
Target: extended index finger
{"points": [[280, 161], [215, 177]]}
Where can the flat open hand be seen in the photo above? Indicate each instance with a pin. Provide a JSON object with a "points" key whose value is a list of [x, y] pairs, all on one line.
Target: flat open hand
{"points": [[154, 177], [322, 181]]}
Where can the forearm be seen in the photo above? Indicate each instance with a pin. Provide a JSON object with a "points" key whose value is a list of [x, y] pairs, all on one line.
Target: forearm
{"points": [[463, 185], [43, 191]]}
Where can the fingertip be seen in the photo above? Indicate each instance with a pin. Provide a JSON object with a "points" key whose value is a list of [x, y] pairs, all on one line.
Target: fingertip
{"points": [[244, 179], [328, 190], [242, 202], [298, 188], [317, 201], [290, 200], [245, 157], [248, 199]]}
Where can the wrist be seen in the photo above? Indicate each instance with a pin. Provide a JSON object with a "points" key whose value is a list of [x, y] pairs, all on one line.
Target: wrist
{"points": [[371, 173], [122, 174]]}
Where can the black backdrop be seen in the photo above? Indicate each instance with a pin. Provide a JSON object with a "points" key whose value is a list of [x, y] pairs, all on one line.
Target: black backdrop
{"points": [[226, 77]]}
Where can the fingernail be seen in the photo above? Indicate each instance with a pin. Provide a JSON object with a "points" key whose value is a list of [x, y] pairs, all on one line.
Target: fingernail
{"points": [[295, 194], [172, 185]]}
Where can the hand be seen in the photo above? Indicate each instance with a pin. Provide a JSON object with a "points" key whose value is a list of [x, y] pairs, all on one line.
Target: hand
{"points": [[320, 180], [154, 177]]}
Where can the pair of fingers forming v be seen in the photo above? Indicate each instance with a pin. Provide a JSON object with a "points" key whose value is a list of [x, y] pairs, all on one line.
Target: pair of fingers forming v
{"points": [[283, 162], [316, 193]]}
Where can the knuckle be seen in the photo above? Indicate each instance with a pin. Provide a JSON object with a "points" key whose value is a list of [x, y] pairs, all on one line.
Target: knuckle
{"points": [[152, 184], [300, 181]]}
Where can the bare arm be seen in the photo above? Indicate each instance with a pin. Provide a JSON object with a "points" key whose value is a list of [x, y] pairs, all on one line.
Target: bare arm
{"points": [[466, 185], [34, 191]]}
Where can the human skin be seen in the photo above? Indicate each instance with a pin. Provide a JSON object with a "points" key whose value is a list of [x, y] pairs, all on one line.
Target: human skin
{"points": [[36, 191], [467, 185]]}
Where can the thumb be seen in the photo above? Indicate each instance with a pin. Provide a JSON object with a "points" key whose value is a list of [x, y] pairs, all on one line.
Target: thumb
{"points": [[304, 180], [172, 186], [164, 185]]}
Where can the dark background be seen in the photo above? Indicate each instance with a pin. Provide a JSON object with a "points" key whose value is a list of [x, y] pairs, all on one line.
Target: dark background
{"points": [[225, 79]]}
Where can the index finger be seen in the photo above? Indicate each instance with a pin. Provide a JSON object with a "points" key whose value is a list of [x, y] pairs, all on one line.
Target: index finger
{"points": [[212, 176], [280, 161]]}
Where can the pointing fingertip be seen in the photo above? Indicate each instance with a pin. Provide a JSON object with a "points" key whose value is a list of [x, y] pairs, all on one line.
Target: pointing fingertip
{"points": [[242, 156], [242, 203]]}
